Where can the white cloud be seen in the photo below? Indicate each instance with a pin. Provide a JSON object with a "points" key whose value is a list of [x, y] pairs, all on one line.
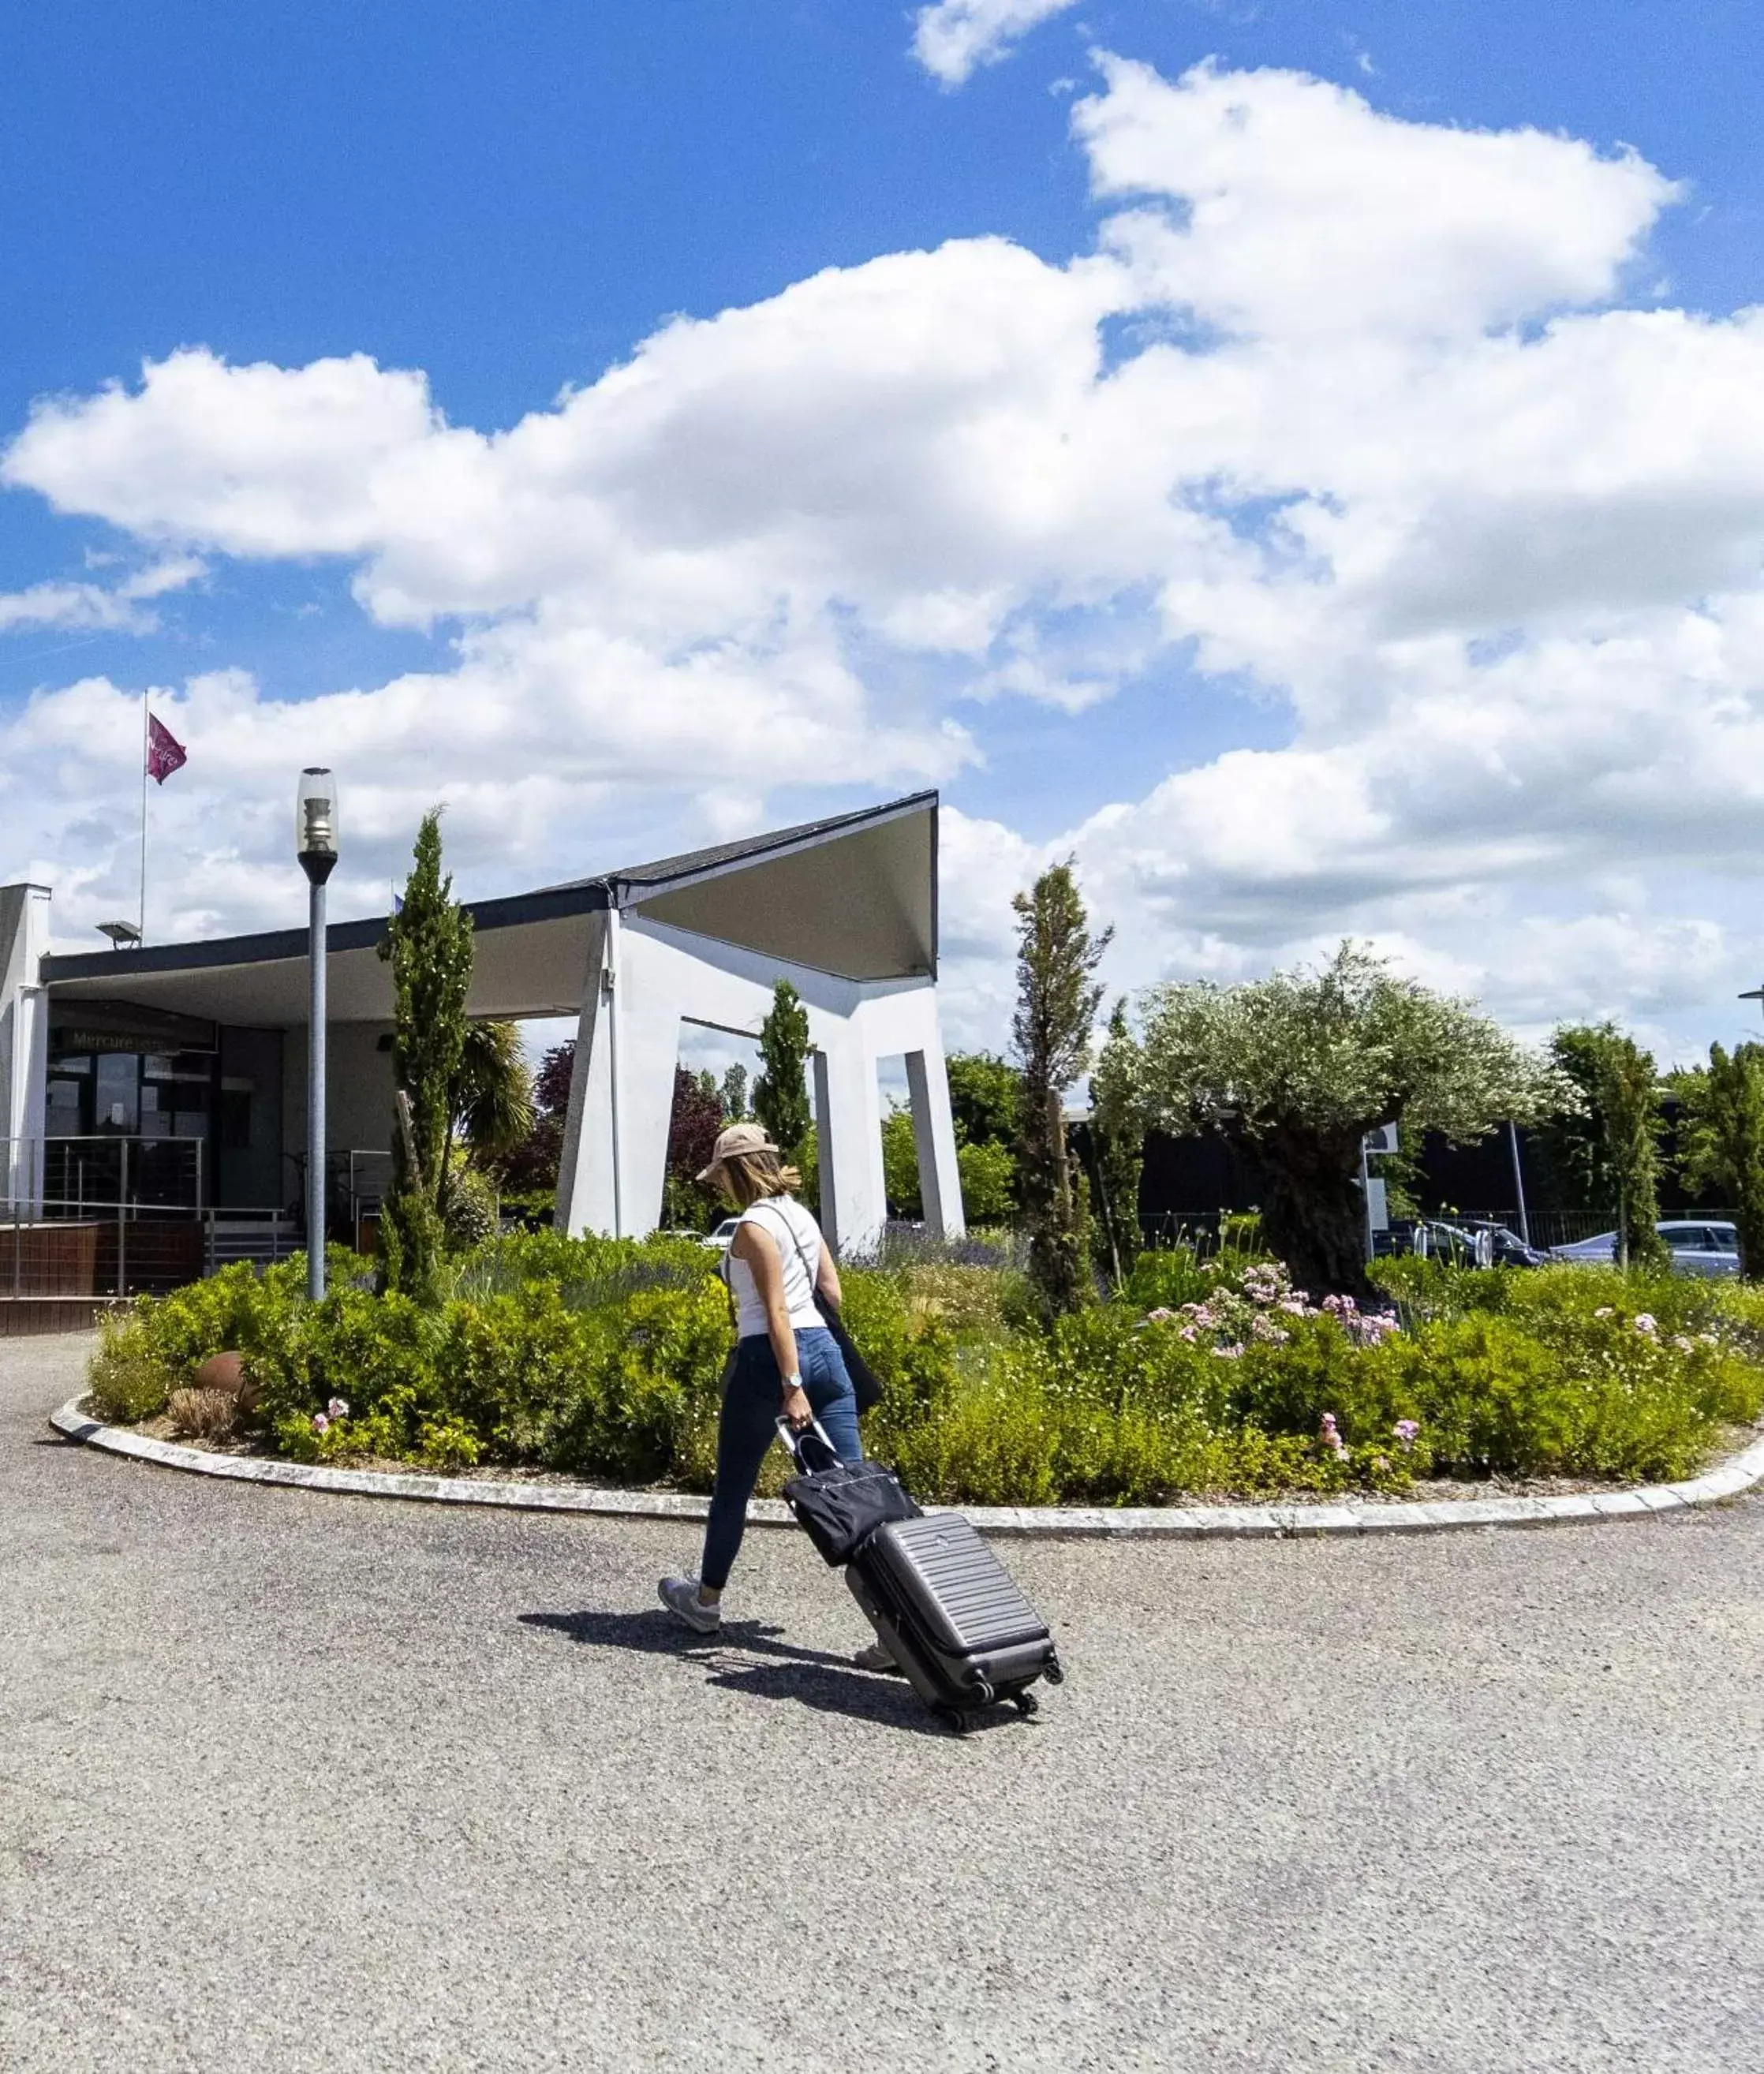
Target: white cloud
{"points": [[92, 606], [1347, 409], [1305, 213], [952, 38]]}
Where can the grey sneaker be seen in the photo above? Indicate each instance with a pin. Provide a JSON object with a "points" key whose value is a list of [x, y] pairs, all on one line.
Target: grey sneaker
{"points": [[680, 1595], [875, 1656]]}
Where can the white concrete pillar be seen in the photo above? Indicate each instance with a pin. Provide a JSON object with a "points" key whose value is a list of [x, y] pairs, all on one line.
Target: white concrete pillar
{"points": [[585, 1171], [649, 1007], [24, 1044], [614, 1160], [934, 1137], [848, 1120]]}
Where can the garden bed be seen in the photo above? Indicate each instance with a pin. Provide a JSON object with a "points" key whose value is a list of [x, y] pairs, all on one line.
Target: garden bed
{"points": [[1424, 1490], [593, 1361]]}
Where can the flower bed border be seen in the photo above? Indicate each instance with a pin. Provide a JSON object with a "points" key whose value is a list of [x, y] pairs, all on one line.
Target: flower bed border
{"points": [[1730, 1479]]}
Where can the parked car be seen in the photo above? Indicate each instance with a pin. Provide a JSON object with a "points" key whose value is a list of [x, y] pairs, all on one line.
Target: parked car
{"points": [[723, 1237], [1476, 1245], [1699, 1245]]}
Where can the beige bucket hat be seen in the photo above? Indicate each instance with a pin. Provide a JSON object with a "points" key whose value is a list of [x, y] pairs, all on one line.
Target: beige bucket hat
{"points": [[738, 1137]]}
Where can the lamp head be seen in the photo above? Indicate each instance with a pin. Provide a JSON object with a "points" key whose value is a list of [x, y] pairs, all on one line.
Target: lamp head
{"points": [[316, 824]]}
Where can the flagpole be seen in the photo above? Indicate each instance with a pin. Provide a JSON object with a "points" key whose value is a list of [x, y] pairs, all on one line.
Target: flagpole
{"points": [[143, 914]]}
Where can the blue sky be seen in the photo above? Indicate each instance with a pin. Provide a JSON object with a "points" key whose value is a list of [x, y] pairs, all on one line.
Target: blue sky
{"points": [[512, 200]]}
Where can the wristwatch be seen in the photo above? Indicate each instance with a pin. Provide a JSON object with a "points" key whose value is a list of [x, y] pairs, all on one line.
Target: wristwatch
{"points": [[793, 1382]]}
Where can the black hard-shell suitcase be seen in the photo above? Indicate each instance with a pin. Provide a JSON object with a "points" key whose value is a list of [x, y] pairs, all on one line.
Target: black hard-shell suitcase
{"points": [[953, 1616], [947, 1609]]}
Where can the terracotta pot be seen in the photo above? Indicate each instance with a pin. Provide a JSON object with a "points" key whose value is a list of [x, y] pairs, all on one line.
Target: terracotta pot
{"points": [[226, 1372]]}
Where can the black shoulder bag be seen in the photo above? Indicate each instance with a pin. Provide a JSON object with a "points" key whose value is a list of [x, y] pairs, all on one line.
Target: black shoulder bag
{"points": [[866, 1384]]}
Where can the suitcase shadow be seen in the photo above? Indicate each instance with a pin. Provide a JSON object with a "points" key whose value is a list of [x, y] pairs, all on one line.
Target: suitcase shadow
{"points": [[814, 1678]]}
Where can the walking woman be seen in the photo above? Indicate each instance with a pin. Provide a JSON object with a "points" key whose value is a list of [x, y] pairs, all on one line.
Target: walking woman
{"points": [[787, 1363]]}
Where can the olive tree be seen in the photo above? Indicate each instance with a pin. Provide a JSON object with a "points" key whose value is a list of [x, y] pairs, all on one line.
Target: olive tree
{"points": [[1298, 1066]]}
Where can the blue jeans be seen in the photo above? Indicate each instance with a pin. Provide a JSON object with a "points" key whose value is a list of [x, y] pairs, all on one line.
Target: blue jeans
{"points": [[748, 1427]]}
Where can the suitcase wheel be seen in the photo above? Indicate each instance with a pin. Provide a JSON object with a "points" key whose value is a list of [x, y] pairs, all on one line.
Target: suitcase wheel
{"points": [[1053, 1674], [956, 1720], [1025, 1703]]}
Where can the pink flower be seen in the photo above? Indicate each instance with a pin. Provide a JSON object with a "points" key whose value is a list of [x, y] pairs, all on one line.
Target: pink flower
{"points": [[1605, 1311], [320, 1424], [338, 1407], [1644, 1323], [1329, 1434], [1406, 1430]]}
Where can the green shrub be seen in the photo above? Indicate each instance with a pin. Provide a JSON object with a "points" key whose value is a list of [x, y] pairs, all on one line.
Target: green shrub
{"points": [[129, 1379], [604, 1358]]}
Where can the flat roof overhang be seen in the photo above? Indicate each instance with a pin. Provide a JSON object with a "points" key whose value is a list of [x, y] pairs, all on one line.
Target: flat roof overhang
{"points": [[855, 895]]}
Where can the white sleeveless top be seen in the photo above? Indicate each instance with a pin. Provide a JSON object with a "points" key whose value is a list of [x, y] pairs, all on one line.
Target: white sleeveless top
{"points": [[797, 1237]]}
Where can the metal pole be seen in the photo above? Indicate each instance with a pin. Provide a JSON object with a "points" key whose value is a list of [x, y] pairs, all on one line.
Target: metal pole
{"points": [[315, 1103], [142, 917], [609, 982], [1365, 1202], [123, 1220], [1519, 1181]]}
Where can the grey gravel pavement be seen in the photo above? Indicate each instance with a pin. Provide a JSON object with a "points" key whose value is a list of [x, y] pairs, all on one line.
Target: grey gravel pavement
{"points": [[297, 1782]]}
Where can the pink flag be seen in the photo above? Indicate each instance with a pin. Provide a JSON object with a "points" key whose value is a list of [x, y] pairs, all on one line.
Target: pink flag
{"points": [[165, 753]]}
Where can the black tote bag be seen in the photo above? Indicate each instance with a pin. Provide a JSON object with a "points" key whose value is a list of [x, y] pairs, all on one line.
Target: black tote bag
{"points": [[839, 1505]]}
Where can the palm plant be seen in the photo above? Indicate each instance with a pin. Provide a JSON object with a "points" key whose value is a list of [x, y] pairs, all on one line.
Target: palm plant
{"points": [[492, 1098]]}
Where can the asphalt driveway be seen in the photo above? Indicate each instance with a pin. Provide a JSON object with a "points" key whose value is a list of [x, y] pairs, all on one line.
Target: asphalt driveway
{"points": [[295, 1782]]}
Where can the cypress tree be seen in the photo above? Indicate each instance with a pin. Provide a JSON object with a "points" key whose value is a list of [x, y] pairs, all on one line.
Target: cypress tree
{"points": [[429, 946], [1118, 1134], [781, 1092], [1057, 1000]]}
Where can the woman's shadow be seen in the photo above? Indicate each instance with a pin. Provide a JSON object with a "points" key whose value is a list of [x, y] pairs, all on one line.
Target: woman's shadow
{"points": [[810, 1677]]}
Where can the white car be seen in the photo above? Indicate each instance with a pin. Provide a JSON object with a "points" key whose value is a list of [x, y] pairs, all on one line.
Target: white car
{"points": [[724, 1236], [1699, 1245]]}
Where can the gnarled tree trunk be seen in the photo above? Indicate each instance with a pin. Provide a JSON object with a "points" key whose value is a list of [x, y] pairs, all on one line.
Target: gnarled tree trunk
{"points": [[1313, 1216]]}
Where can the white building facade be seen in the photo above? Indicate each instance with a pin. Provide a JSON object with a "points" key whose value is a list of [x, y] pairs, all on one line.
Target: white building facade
{"points": [[203, 1045]]}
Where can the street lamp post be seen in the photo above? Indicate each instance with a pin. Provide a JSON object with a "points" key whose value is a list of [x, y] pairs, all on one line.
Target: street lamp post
{"points": [[315, 841]]}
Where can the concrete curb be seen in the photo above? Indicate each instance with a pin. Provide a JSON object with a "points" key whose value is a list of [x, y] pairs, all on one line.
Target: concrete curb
{"points": [[1739, 1474]]}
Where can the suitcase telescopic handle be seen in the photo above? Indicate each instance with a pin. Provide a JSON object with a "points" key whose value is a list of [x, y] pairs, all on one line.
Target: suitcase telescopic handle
{"points": [[793, 1439]]}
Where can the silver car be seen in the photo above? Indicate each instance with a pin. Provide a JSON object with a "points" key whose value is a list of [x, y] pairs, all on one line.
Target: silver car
{"points": [[1699, 1245]]}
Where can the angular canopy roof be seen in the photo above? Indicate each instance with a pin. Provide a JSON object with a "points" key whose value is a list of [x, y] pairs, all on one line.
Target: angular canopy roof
{"points": [[855, 895]]}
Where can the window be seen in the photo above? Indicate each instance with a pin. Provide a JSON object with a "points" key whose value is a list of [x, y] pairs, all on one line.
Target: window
{"points": [[116, 1098], [64, 1108]]}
